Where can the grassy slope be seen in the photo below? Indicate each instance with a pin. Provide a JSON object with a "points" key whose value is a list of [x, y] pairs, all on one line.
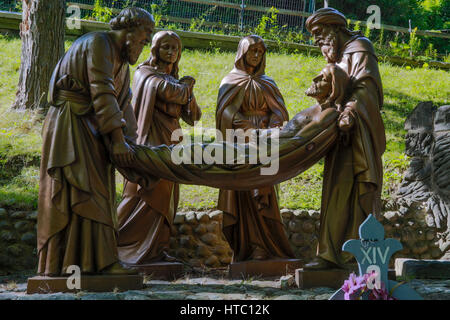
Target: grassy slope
{"points": [[20, 140]]}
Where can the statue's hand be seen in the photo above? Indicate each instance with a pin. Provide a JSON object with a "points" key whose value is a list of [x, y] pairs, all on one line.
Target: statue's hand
{"points": [[346, 120], [122, 154], [188, 80]]}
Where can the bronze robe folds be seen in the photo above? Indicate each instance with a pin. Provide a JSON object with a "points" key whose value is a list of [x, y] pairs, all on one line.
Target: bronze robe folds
{"points": [[89, 96], [146, 214], [252, 218], [353, 173]]}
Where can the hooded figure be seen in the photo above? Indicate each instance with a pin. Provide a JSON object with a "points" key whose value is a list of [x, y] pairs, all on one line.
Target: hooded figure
{"points": [[145, 215], [249, 99]]}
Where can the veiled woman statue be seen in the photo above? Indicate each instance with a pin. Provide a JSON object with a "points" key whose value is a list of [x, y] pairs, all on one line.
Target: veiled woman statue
{"points": [[160, 99], [249, 99]]}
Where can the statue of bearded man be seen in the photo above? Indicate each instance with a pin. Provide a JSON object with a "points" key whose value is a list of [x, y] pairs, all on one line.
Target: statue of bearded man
{"points": [[84, 131], [353, 168]]}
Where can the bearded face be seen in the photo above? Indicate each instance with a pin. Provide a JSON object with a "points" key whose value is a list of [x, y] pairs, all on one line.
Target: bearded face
{"points": [[135, 42], [326, 37]]}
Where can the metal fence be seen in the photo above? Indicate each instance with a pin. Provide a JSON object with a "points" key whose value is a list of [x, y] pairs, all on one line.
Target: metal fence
{"points": [[203, 14]]}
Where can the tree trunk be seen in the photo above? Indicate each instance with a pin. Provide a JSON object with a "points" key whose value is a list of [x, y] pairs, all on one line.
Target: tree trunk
{"points": [[42, 32]]}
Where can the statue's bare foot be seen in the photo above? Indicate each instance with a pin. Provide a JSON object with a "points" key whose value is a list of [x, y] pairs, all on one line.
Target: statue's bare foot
{"points": [[118, 269]]}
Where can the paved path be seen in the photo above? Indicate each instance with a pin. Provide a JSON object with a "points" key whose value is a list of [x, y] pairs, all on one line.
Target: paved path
{"points": [[208, 288]]}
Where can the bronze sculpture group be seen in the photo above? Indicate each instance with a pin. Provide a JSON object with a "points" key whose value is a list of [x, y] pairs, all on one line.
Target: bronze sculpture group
{"points": [[95, 125]]}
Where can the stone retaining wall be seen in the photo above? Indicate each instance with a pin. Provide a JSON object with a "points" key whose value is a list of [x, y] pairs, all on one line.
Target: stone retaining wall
{"points": [[198, 240]]}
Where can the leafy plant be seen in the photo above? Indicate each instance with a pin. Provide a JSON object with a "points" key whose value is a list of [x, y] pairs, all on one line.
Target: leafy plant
{"points": [[102, 13]]}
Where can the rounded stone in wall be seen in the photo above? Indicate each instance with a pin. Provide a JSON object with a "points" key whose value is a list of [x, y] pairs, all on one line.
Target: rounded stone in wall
{"points": [[220, 249], [430, 235], [295, 225], [29, 238], [308, 227], [201, 229], [191, 218], [203, 251], [286, 214], [209, 238], [187, 241], [185, 229], [297, 239], [225, 259], [181, 253], [420, 248], [435, 252], [212, 261], [213, 227], [202, 217]]}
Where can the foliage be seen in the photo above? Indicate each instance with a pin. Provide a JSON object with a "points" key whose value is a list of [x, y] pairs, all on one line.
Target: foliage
{"points": [[101, 12], [20, 138]]}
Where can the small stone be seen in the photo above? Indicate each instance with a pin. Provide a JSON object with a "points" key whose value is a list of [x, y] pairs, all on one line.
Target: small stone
{"points": [[203, 217], [287, 282], [213, 227], [286, 214], [295, 225], [3, 213], [29, 238], [203, 251], [185, 229], [19, 215], [308, 227], [201, 229], [314, 214], [212, 261], [216, 215], [403, 211], [391, 216], [410, 223], [191, 218], [32, 215], [179, 218], [209, 238]]}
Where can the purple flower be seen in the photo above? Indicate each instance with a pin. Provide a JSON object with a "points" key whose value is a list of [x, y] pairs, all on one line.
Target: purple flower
{"points": [[354, 287]]}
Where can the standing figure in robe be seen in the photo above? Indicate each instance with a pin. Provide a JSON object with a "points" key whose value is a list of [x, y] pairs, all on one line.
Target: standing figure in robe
{"points": [[160, 99], [353, 174], [84, 131], [248, 99]]}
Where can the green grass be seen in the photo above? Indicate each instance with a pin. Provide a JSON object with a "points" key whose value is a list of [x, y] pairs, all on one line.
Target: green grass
{"points": [[404, 88]]}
